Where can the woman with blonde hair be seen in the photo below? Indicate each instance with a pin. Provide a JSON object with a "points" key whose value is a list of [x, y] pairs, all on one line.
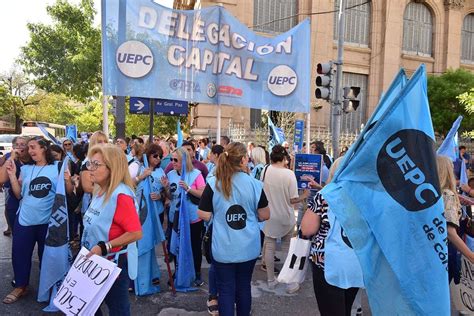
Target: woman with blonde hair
{"points": [[192, 185], [452, 213], [259, 160], [236, 202], [111, 223]]}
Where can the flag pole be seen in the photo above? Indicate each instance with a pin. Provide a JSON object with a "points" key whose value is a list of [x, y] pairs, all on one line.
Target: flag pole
{"points": [[105, 115], [167, 260], [308, 130], [218, 132]]}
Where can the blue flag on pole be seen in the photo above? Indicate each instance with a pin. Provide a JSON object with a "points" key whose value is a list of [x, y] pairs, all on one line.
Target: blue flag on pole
{"points": [[48, 135], [180, 134], [387, 199], [180, 244], [149, 210], [71, 133], [277, 136], [57, 256]]}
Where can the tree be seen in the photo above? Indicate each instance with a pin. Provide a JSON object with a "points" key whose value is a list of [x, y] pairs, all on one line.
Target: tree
{"points": [[53, 108], [64, 57], [444, 105], [467, 99]]}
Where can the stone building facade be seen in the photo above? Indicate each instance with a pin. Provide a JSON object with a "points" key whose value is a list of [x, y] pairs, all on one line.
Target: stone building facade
{"points": [[380, 37]]}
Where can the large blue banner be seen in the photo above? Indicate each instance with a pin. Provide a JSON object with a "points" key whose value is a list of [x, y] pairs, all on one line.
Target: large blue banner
{"points": [[204, 56], [387, 198]]}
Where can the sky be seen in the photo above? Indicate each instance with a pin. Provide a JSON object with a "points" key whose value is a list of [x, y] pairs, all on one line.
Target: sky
{"points": [[13, 19]]}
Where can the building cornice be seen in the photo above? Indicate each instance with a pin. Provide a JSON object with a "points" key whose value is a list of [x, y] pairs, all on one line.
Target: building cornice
{"points": [[454, 4]]}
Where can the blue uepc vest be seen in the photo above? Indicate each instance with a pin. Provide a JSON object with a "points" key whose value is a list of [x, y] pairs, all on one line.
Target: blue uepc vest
{"points": [[341, 266], [192, 208], [37, 190], [235, 233], [98, 220]]}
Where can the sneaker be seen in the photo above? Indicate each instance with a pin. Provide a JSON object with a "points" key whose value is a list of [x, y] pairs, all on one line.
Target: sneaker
{"points": [[264, 268], [213, 307], [198, 282], [272, 284], [292, 288]]}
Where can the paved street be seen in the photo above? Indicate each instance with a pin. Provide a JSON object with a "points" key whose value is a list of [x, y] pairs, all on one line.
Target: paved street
{"points": [[265, 301]]}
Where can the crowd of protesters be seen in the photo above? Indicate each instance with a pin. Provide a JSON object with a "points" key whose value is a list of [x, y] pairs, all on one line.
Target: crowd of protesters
{"points": [[259, 186]]}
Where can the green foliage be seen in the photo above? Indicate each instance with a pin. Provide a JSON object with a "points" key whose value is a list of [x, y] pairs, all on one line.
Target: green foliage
{"points": [[53, 108], [6, 105], [443, 92], [64, 57], [467, 99]]}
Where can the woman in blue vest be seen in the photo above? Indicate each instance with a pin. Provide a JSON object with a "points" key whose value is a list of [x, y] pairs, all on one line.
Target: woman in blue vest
{"points": [[332, 300], [193, 185], [111, 224], [216, 151], [259, 160], [36, 187], [236, 202]]}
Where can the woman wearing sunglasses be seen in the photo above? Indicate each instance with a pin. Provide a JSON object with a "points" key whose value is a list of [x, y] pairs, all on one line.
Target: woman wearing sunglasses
{"points": [[36, 187], [111, 224], [192, 186]]}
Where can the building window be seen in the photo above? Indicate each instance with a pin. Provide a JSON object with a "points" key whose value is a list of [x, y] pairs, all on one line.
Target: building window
{"points": [[467, 40], [352, 122], [417, 30], [255, 118], [271, 10], [357, 22]]}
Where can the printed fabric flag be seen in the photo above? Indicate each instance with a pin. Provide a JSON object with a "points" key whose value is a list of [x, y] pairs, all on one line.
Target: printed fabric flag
{"points": [[450, 148], [71, 133], [388, 201], [277, 136], [48, 135], [180, 244], [179, 133], [148, 269], [204, 56], [57, 257]]}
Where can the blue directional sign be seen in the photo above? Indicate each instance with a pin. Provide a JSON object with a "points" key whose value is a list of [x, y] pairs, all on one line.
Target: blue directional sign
{"points": [[161, 106], [139, 105], [171, 107]]}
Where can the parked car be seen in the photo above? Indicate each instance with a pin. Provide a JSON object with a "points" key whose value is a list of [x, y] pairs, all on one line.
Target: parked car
{"points": [[6, 143]]}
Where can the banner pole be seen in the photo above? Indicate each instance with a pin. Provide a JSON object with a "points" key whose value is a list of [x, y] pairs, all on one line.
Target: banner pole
{"points": [[152, 112], [308, 131], [218, 132], [105, 115]]}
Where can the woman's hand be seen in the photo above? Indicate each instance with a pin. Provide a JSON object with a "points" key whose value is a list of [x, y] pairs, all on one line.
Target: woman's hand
{"points": [[164, 181], [96, 250], [183, 185], [155, 196], [11, 168], [67, 175], [147, 172]]}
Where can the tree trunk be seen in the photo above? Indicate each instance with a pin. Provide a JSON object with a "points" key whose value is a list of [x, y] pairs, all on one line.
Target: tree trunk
{"points": [[18, 124]]}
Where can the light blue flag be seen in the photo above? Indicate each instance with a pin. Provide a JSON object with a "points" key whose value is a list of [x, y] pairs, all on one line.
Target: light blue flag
{"points": [[57, 258], [277, 136], [396, 86], [463, 177], [149, 210], [180, 134], [71, 133], [388, 201], [48, 135], [180, 244], [449, 147]]}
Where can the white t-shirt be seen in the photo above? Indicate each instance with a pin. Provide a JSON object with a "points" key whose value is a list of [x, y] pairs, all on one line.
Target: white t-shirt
{"points": [[280, 186]]}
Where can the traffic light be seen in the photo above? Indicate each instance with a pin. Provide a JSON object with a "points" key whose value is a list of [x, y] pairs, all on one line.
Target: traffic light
{"points": [[350, 103], [323, 81]]}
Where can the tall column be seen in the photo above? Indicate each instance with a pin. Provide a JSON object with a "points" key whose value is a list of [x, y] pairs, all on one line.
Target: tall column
{"points": [[452, 33]]}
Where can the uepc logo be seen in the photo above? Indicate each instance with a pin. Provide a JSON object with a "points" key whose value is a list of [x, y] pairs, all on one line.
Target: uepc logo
{"points": [[40, 187], [406, 165], [134, 59], [282, 80], [236, 217]]}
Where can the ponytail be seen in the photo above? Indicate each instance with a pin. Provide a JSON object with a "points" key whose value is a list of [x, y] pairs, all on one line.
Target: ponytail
{"points": [[228, 164]]}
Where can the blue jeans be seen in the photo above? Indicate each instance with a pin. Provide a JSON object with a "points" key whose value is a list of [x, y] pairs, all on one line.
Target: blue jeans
{"points": [[233, 286], [117, 299]]}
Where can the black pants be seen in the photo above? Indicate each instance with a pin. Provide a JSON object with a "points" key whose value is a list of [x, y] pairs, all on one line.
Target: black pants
{"points": [[332, 301], [197, 230]]}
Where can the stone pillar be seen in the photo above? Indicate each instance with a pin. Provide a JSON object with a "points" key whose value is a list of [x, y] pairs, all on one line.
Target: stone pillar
{"points": [[452, 33]]}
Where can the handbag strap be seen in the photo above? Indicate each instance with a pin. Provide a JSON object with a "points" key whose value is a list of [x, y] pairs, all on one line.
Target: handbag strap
{"points": [[264, 172]]}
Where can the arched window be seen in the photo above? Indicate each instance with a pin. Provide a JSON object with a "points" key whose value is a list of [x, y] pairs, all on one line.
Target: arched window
{"points": [[270, 10], [357, 22], [417, 30], [467, 39]]}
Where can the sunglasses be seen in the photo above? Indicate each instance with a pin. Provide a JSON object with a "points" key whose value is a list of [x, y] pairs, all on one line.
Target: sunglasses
{"points": [[174, 159], [156, 156], [67, 144]]}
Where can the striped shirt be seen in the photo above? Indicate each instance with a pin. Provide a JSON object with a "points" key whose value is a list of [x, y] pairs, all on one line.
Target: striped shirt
{"points": [[319, 206]]}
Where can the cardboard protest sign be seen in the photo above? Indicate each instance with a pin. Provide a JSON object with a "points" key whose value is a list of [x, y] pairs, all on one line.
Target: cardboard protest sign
{"points": [[86, 284]]}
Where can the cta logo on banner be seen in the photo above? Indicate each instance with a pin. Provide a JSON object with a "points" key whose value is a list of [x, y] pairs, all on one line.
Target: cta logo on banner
{"points": [[202, 56]]}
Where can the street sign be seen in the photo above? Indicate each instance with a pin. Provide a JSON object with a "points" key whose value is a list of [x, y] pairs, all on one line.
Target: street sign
{"points": [[161, 106], [139, 105], [171, 107]]}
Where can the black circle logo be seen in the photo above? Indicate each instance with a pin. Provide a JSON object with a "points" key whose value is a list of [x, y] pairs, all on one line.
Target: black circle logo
{"points": [[173, 187], [345, 239], [40, 187], [236, 217], [406, 165], [57, 229], [143, 209]]}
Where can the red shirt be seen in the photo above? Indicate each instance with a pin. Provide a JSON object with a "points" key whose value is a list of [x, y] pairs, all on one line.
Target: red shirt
{"points": [[125, 218]]}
